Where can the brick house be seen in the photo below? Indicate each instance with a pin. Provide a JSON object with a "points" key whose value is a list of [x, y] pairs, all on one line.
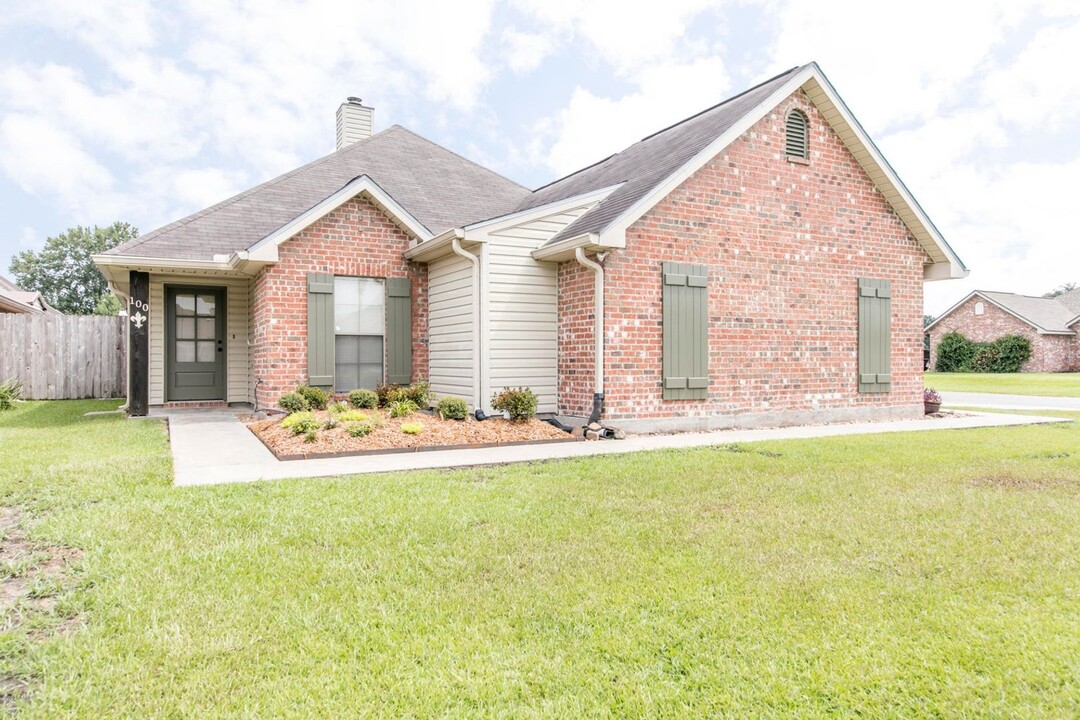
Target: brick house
{"points": [[1052, 325], [757, 263]]}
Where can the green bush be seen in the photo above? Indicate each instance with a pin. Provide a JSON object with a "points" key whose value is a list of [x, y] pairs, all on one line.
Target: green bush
{"points": [[1007, 354], [300, 423], [419, 393], [10, 392], [311, 435], [453, 408], [293, 402], [331, 423], [412, 428], [352, 416], [402, 408], [387, 394], [337, 408], [519, 403], [359, 429], [317, 398], [364, 399]]}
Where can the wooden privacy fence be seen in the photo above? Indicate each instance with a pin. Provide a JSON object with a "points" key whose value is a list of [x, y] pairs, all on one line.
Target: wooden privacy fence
{"points": [[64, 357]]}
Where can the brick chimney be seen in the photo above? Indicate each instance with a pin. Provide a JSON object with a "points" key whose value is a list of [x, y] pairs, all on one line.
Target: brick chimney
{"points": [[354, 122]]}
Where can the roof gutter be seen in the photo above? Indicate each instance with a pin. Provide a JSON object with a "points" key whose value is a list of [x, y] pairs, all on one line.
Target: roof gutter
{"points": [[567, 249], [14, 306]]}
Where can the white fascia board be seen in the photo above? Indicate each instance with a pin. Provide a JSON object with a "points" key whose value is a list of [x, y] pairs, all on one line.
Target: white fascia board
{"points": [[265, 250], [14, 306], [435, 248], [811, 78], [566, 249], [480, 230]]}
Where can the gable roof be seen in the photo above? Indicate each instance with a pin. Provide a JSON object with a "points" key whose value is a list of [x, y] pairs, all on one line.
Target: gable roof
{"points": [[646, 163], [1071, 300], [653, 167], [1049, 316], [437, 187], [15, 299]]}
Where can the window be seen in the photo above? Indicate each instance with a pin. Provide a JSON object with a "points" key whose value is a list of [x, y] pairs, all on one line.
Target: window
{"points": [[358, 333], [979, 308], [797, 142]]}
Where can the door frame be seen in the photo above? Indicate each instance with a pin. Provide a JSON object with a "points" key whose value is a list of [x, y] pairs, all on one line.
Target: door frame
{"points": [[167, 291]]}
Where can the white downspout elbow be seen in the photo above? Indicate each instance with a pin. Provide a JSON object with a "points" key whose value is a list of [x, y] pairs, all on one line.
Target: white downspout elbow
{"points": [[598, 312], [455, 245]]}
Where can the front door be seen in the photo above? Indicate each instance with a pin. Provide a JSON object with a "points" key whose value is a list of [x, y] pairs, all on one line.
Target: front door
{"points": [[195, 343]]}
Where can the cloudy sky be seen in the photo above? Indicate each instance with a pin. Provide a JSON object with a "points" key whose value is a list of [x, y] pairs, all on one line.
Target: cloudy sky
{"points": [[144, 111]]}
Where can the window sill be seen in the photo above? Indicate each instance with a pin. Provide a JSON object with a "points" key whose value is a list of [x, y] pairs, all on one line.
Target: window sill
{"points": [[797, 160]]}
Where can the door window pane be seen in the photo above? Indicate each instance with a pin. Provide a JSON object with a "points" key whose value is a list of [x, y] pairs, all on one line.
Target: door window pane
{"points": [[185, 328], [185, 304], [185, 351], [207, 328], [206, 305], [205, 351]]}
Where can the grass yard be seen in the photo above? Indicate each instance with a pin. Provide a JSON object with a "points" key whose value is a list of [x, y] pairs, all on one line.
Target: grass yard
{"points": [[1046, 384], [931, 574]]}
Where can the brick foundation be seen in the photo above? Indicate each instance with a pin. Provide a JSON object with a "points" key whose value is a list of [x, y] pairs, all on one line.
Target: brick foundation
{"points": [[1049, 353], [356, 239], [784, 243]]}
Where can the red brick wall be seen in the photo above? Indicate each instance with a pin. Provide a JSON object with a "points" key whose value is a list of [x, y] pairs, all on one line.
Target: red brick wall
{"points": [[577, 325], [1049, 353], [356, 239], [785, 244]]}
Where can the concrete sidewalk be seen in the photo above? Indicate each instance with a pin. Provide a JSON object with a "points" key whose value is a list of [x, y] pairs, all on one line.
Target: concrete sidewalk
{"points": [[212, 446], [1010, 402]]}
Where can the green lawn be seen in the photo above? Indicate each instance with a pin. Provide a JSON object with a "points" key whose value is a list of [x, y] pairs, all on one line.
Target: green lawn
{"points": [[1047, 384], [909, 575]]}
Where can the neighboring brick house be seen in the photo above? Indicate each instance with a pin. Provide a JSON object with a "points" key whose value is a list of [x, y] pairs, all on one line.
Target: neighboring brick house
{"points": [[1051, 324], [757, 263], [15, 300]]}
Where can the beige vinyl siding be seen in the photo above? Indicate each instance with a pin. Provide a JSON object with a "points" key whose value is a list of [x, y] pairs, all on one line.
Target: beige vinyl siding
{"points": [[522, 309], [451, 354], [238, 318]]}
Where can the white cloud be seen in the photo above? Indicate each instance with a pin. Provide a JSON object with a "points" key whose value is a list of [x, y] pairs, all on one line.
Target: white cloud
{"points": [[29, 240], [590, 128], [526, 50]]}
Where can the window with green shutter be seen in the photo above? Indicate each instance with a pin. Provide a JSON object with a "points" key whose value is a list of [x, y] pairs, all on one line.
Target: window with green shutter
{"points": [[320, 330], [685, 331], [875, 336]]}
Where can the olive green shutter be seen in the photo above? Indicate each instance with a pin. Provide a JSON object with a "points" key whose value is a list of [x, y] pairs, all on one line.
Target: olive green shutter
{"points": [[686, 331], [320, 330], [875, 336], [398, 330]]}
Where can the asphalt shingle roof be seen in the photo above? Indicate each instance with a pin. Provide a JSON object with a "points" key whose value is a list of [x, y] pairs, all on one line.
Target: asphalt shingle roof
{"points": [[438, 187], [1050, 314], [648, 162]]}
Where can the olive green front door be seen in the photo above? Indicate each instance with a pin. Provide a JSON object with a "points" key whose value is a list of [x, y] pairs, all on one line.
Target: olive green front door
{"points": [[194, 343]]}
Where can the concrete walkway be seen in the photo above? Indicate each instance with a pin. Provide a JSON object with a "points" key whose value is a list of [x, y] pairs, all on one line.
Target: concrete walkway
{"points": [[1009, 402], [212, 446]]}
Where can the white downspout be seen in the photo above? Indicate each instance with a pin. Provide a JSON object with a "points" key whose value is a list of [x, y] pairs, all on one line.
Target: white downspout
{"points": [[455, 245], [598, 312]]}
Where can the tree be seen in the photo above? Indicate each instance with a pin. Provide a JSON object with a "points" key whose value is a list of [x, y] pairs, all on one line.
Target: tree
{"points": [[927, 319], [63, 272], [108, 304], [1067, 287]]}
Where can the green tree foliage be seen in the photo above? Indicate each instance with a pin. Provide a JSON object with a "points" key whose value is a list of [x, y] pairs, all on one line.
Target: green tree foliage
{"points": [[1007, 354], [63, 272], [107, 304]]}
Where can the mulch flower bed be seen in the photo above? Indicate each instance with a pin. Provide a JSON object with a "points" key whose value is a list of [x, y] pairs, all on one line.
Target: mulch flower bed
{"points": [[388, 437]]}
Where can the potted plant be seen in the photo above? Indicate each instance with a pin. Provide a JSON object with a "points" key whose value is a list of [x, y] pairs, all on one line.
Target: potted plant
{"points": [[931, 401]]}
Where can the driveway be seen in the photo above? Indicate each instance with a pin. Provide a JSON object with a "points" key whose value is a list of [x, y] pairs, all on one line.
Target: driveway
{"points": [[1010, 402]]}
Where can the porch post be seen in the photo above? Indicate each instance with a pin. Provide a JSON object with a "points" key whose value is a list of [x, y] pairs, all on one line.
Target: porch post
{"points": [[139, 344]]}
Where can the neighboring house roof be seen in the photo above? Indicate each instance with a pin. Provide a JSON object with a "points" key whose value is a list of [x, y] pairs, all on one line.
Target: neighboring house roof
{"points": [[648, 162], [1071, 300], [1049, 316], [436, 186], [14, 299]]}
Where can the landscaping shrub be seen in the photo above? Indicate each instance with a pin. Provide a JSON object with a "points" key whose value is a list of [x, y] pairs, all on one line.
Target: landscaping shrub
{"points": [[1007, 354], [300, 423], [293, 402], [412, 428], [364, 399], [311, 435], [453, 408], [387, 394], [419, 393], [519, 403], [359, 429], [402, 408], [10, 392], [352, 416], [316, 397], [331, 423], [337, 408]]}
